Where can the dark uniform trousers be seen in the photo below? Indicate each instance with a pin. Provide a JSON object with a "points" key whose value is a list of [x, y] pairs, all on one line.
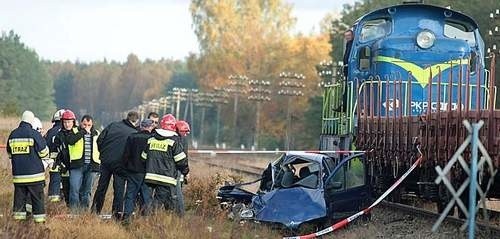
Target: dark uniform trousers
{"points": [[65, 187], [102, 188], [26, 193], [163, 196]]}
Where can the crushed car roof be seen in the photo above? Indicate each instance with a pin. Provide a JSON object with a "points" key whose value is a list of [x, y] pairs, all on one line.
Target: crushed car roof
{"points": [[314, 157]]}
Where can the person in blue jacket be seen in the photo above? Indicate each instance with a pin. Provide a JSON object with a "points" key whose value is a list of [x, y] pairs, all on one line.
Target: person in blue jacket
{"points": [[26, 148]]}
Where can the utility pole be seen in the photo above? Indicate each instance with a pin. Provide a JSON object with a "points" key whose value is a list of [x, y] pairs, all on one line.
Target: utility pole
{"points": [[163, 104], [184, 95], [140, 111], [191, 95], [259, 92], [178, 93], [165, 101], [291, 84], [154, 105], [202, 101], [220, 98], [494, 32], [206, 100], [237, 85], [191, 108]]}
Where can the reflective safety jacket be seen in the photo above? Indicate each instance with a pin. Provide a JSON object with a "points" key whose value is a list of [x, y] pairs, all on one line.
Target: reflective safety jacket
{"points": [[76, 151], [26, 147], [164, 157], [72, 141], [50, 137]]}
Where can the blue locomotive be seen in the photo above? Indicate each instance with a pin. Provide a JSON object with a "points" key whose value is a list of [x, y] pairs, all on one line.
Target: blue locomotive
{"points": [[414, 73], [417, 44]]}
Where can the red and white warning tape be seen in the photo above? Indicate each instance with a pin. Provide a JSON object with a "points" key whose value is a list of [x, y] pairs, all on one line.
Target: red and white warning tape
{"points": [[346, 221], [274, 151], [71, 216]]}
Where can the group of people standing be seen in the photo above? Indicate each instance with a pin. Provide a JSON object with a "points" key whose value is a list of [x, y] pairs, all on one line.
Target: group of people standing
{"points": [[147, 161]]}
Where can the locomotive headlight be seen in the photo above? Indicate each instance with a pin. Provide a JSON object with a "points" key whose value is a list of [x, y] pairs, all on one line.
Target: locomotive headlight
{"points": [[425, 39]]}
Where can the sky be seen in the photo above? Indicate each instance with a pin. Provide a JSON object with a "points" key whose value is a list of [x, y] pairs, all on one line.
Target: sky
{"points": [[91, 30]]}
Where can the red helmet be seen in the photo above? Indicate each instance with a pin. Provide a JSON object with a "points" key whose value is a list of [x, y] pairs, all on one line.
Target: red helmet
{"points": [[168, 122], [68, 115], [182, 127]]}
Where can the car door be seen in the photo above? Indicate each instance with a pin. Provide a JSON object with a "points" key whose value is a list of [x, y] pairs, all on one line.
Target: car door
{"points": [[347, 188]]}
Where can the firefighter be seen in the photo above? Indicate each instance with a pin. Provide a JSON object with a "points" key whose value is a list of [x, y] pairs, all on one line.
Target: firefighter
{"points": [[165, 158], [55, 176], [63, 139], [183, 130], [37, 125], [25, 148]]}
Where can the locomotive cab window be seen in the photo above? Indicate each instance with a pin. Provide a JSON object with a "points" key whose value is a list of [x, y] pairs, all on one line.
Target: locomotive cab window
{"points": [[459, 31], [364, 58], [374, 29]]}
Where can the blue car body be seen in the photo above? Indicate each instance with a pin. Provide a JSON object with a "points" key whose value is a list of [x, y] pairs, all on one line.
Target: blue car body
{"points": [[303, 187]]}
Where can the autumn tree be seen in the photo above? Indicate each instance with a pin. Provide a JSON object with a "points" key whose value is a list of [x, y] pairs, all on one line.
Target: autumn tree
{"points": [[254, 38]]}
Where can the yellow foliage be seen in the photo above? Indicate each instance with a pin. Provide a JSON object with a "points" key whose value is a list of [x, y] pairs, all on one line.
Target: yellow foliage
{"points": [[253, 38]]}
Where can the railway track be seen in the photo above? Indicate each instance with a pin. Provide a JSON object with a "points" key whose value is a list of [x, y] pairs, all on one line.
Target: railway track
{"points": [[249, 170], [483, 226]]}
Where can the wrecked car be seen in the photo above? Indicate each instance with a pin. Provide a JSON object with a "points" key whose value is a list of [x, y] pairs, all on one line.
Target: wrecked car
{"points": [[299, 188]]}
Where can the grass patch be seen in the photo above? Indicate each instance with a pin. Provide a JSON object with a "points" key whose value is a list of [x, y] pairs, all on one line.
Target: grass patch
{"points": [[203, 219]]}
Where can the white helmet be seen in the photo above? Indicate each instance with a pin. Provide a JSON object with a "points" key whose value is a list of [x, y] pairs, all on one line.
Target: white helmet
{"points": [[37, 124], [28, 117], [57, 116]]}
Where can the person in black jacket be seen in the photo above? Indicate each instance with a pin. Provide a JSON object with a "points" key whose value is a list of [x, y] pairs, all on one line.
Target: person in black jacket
{"points": [[349, 37], [111, 144], [66, 136], [135, 166], [155, 117]]}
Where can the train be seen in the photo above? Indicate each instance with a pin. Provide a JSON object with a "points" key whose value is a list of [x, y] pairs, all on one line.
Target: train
{"points": [[415, 73]]}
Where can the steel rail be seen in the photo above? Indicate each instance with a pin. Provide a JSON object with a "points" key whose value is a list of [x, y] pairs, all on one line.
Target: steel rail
{"points": [[494, 230]]}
